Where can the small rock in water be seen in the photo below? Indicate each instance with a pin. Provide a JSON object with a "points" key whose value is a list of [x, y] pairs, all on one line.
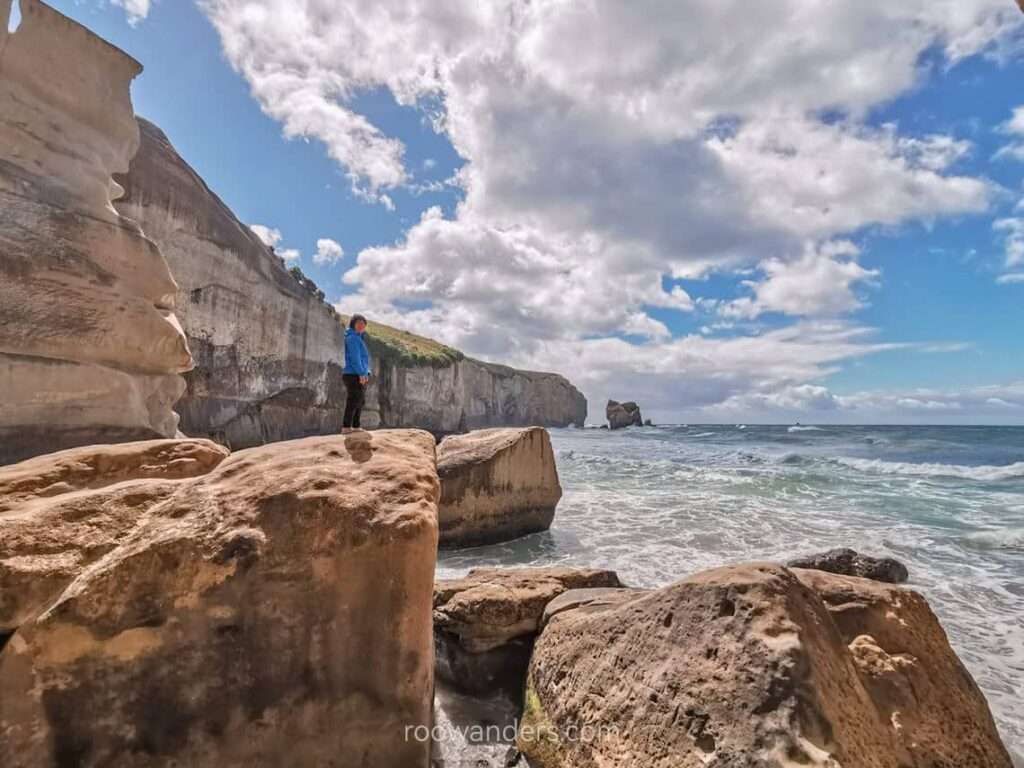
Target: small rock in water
{"points": [[848, 562]]}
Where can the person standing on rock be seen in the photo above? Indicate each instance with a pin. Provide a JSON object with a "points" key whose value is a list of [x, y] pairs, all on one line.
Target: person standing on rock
{"points": [[356, 373]]}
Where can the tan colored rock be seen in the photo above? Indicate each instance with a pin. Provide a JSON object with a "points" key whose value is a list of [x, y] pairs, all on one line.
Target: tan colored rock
{"points": [[747, 666], [484, 623], [90, 350], [61, 512], [919, 685], [496, 485], [274, 611]]}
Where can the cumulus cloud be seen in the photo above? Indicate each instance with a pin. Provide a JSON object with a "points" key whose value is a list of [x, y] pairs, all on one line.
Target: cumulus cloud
{"points": [[820, 282], [1010, 278], [328, 251], [1012, 230], [135, 10], [1014, 127], [270, 236], [594, 184]]}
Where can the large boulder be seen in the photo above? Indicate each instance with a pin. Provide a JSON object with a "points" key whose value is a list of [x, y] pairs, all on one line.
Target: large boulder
{"points": [[62, 512], [496, 485], [849, 562], [90, 349], [275, 610], [622, 415], [755, 665], [485, 622]]}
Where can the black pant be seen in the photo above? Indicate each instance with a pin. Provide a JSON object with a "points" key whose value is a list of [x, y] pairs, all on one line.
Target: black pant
{"points": [[354, 402]]}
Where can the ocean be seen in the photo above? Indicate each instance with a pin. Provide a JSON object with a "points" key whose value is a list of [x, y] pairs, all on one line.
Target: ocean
{"points": [[657, 504]]}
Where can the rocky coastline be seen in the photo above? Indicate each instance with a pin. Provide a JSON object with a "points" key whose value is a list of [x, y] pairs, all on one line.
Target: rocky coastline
{"points": [[268, 597]]}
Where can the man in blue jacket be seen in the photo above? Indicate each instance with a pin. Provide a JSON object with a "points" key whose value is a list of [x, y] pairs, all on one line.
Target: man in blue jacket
{"points": [[356, 373]]}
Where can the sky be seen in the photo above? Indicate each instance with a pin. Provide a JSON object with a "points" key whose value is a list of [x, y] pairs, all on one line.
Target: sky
{"points": [[789, 210]]}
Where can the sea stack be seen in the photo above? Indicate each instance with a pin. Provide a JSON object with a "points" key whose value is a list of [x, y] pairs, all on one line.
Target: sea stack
{"points": [[621, 415]]}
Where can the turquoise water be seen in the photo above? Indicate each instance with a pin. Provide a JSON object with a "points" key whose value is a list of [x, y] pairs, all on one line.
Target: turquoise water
{"points": [[658, 504]]}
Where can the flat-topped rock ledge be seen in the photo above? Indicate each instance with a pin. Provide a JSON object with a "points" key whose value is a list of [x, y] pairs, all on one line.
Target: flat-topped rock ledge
{"points": [[496, 485], [166, 604], [755, 665], [849, 562], [622, 415], [485, 623], [90, 349]]}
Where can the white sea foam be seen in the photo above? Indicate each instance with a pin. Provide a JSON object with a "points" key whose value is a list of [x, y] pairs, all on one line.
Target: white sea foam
{"points": [[658, 505], [984, 473], [801, 428]]}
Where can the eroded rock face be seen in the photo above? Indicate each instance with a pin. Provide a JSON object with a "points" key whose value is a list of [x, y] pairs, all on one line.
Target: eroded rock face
{"points": [[755, 665], [63, 511], [848, 562], [272, 611], [268, 350], [496, 485], [621, 415], [485, 623], [917, 682], [90, 350], [471, 394]]}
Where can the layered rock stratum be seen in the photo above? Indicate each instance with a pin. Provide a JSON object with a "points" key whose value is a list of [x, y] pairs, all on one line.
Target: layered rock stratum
{"points": [[755, 665], [165, 604], [90, 350], [268, 349], [496, 485]]}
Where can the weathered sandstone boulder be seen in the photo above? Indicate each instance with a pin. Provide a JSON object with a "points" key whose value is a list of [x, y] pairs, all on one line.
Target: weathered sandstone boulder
{"points": [[621, 415], [268, 348], [588, 599], [90, 350], [918, 684], [63, 511], [848, 562], [273, 611], [484, 623], [755, 665], [496, 485]]}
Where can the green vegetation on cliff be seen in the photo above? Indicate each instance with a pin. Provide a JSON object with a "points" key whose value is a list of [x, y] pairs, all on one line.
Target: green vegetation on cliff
{"points": [[403, 348]]}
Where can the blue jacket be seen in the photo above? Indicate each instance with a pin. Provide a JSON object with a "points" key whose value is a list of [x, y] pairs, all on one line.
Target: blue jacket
{"points": [[357, 356]]}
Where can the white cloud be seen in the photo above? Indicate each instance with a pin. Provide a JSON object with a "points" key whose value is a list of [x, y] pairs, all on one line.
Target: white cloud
{"points": [[820, 282], [1013, 234], [1015, 127], [270, 236], [593, 183], [1010, 278], [135, 10], [328, 251]]}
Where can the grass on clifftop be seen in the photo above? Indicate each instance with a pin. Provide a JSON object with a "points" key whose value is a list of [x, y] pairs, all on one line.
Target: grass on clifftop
{"points": [[403, 348]]}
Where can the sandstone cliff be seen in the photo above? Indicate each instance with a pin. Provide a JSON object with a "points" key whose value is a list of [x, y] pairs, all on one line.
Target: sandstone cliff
{"points": [[90, 350], [267, 347]]}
